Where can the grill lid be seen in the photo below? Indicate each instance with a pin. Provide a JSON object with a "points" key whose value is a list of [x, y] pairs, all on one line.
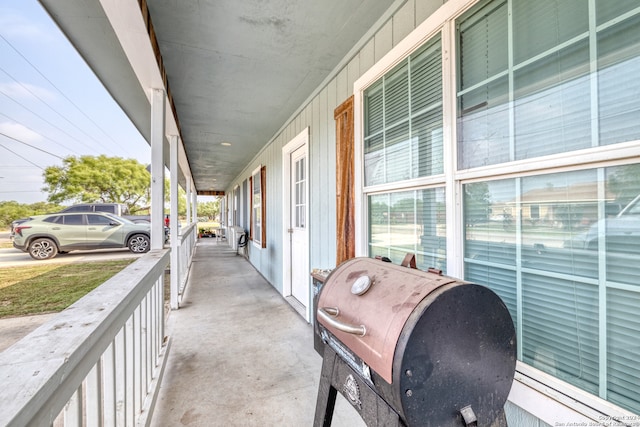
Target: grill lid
{"points": [[365, 303]]}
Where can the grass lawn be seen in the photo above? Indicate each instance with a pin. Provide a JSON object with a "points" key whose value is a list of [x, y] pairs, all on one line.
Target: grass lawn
{"points": [[28, 290]]}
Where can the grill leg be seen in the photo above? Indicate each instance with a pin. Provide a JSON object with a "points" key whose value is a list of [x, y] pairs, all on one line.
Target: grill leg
{"points": [[372, 408], [326, 391]]}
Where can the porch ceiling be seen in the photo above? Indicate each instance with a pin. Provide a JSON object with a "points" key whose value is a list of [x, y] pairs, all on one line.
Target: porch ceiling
{"points": [[237, 70]]}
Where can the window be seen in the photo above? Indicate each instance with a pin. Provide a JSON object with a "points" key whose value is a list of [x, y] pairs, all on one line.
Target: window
{"points": [[54, 219], [73, 219], [548, 243], [409, 222], [576, 274], [403, 142], [235, 201], [535, 96], [99, 220], [258, 207], [403, 120], [535, 168]]}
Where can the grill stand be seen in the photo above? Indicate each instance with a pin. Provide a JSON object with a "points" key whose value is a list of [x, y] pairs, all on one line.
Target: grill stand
{"points": [[338, 376]]}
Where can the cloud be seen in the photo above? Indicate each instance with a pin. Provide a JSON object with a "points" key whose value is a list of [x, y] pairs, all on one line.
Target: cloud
{"points": [[19, 132], [18, 27], [18, 90]]}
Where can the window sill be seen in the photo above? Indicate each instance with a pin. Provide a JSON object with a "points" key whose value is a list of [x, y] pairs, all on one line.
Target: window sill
{"points": [[558, 403]]}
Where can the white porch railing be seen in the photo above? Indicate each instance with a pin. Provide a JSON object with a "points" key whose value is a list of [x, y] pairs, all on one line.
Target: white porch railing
{"points": [[187, 246], [97, 363], [181, 256]]}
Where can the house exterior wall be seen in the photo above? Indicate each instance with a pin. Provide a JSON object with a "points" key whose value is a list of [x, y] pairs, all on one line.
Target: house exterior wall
{"points": [[534, 400]]}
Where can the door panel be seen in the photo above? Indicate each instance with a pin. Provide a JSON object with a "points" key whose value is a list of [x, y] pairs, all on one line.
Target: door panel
{"points": [[102, 234]]}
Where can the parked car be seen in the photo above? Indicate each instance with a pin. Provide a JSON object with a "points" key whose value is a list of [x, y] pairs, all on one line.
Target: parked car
{"points": [[118, 209], [45, 236]]}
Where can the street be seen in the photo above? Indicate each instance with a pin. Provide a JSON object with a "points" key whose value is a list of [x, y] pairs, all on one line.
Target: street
{"points": [[13, 257]]}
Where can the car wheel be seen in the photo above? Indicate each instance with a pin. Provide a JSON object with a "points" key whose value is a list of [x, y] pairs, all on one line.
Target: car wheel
{"points": [[139, 243], [43, 248]]}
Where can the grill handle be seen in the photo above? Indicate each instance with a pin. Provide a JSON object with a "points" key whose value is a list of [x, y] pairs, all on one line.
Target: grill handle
{"points": [[329, 314]]}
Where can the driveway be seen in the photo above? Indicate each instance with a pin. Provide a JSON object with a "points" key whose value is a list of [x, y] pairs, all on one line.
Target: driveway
{"points": [[13, 257]]}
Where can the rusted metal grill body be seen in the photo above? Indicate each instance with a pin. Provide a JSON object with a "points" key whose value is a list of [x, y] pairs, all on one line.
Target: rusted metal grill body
{"points": [[438, 351]]}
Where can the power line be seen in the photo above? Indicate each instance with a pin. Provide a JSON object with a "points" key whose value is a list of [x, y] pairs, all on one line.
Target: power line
{"points": [[22, 157], [38, 133], [61, 93], [29, 145], [44, 120], [50, 107]]}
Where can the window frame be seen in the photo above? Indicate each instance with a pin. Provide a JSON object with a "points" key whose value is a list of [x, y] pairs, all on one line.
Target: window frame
{"points": [[529, 380], [259, 239]]}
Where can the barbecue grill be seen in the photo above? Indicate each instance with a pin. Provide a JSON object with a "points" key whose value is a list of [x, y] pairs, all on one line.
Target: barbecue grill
{"points": [[413, 348]]}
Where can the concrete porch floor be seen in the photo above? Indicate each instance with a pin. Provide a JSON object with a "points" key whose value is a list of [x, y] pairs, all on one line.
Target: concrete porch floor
{"points": [[240, 354]]}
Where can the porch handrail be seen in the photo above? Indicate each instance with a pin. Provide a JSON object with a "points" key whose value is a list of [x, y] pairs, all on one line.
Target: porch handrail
{"points": [[187, 246], [98, 362]]}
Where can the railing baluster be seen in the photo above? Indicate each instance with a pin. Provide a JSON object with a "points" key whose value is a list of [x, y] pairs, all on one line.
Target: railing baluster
{"points": [[145, 355], [128, 371], [93, 394], [109, 385], [121, 377], [137, 360], [73, 410]]}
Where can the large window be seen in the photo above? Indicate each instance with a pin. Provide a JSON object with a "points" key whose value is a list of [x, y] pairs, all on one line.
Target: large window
{"points": [[557, 247], [537, 171]]}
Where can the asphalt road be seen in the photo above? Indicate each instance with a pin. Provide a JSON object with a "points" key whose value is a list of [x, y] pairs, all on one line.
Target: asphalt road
{"points": [[13, 257]]}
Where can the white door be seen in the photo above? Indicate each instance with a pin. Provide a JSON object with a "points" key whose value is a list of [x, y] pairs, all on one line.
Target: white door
{"points": [[298, 226]]}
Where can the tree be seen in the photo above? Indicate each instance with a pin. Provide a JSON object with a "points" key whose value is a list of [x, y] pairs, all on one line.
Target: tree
{"points": [[209, 209], [12, 210], [92, 179]]}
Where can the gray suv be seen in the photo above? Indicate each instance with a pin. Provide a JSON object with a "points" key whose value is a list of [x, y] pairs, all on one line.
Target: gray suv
{"points": [[45, 236]]}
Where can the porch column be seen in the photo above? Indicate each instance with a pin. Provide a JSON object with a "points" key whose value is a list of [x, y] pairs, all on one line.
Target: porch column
{"points": [[157, 167], [194, 204], [189, 219], [174, 142]]}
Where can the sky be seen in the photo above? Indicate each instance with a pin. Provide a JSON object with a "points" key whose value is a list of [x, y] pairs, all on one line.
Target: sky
{"points": [[51, 105]]}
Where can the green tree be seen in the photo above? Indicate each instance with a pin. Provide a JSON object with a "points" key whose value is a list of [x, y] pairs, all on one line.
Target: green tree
{"points": [[182, 199], [12, 210], [209, 209], [99, 179]]}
